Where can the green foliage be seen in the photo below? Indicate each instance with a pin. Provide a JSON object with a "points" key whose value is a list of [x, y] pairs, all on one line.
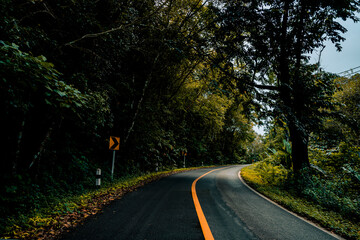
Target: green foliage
{"points": [[341, 123], [339, 217], [332, 182], [335, 151], [331, 195], [348, 98], [72, 73], [342, 164], [271, 174], [256, 149], [278, 148], [263, 46]]}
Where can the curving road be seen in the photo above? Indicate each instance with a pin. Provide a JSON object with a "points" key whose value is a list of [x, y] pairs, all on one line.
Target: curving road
{"points": [[165, 210]]}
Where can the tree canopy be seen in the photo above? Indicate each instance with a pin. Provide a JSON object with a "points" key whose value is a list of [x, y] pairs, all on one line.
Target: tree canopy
{"points": [[74, 73], [267, 44]]}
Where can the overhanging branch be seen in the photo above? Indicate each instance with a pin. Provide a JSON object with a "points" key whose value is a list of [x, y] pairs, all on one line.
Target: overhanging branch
{"points": [[251, 84], [94, 35], [266, 87], [243, 81]]}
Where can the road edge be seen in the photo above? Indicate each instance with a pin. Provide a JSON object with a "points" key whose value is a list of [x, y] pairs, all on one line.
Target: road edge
{"points": [[292, 213]]}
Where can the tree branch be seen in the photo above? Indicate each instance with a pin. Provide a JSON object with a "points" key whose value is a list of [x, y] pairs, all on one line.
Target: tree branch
{"points": [[147, 82], [94, 35], [251, 84]]}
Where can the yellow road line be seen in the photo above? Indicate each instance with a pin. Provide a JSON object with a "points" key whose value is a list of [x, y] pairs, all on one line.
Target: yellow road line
{"points": [[203, 223]]}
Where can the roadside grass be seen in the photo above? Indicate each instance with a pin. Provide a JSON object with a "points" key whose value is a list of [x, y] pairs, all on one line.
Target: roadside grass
{"points": [[330, 220], [66, 213]]}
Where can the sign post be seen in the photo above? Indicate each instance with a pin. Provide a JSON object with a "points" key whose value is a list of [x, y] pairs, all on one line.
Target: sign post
{"points": [[114, 144], [113, 166], [184, 161], [184, 154], [98, 177]]}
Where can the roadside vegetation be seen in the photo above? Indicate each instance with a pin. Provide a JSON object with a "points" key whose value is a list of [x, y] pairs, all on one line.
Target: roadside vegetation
{"points": [[59, 215], [333, 219], [328, 191]]}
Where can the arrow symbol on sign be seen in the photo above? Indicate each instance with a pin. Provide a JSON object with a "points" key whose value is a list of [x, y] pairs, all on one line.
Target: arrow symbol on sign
{"points": [[114, 143]]}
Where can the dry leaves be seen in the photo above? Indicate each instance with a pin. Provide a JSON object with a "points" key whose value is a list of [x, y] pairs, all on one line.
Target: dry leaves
{"points": [[65, 222]]}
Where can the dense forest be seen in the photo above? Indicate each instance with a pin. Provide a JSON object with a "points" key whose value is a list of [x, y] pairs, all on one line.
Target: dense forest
{"points": [[171, 78]]}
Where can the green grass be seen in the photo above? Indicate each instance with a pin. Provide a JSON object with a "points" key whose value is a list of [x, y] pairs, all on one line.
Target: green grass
{"points": [[331, 220], [68, 212]]}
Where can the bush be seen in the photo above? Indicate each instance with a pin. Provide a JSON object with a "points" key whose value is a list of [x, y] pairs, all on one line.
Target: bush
{"points": [[331, 194], [267, 173], [338, 215]]}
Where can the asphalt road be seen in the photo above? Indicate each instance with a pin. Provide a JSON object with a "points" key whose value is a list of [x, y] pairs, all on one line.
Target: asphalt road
{"points": [[165, 210]]}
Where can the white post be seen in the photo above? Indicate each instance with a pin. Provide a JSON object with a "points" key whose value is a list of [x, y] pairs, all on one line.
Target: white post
{"points": [[112, 168], [98, 177], [184, 161]]}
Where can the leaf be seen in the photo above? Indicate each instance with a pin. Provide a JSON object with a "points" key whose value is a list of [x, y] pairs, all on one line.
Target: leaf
{"points": [[61, 94], [15, 46], [64, 105], [48, 102]]}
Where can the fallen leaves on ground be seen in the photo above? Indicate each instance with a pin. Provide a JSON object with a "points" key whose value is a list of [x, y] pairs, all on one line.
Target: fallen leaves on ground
{"points": [[62, 223]]}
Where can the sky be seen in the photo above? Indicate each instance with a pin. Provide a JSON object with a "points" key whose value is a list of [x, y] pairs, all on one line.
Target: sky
{"points": [[334, 61]]}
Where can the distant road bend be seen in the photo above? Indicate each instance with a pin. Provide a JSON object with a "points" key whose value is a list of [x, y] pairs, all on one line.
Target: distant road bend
{"points": [[205, 203]]}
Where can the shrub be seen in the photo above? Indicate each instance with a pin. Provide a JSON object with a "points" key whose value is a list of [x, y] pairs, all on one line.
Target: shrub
{"points": [[267, 173], [331, 194]]}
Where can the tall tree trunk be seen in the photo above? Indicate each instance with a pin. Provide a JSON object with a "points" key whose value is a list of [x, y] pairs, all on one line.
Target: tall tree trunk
{"points": [[42, 145], [299, 154], [147, 82], [299, 137], [292, 96], [18, 150]]}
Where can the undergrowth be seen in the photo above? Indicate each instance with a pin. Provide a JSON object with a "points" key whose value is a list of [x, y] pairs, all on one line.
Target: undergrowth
{"points": [[314, 200], [65, 213]]}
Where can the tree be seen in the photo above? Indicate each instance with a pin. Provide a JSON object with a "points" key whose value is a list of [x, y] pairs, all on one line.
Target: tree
{"points": [[267, 43], [349, 99], [342, 124]]}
